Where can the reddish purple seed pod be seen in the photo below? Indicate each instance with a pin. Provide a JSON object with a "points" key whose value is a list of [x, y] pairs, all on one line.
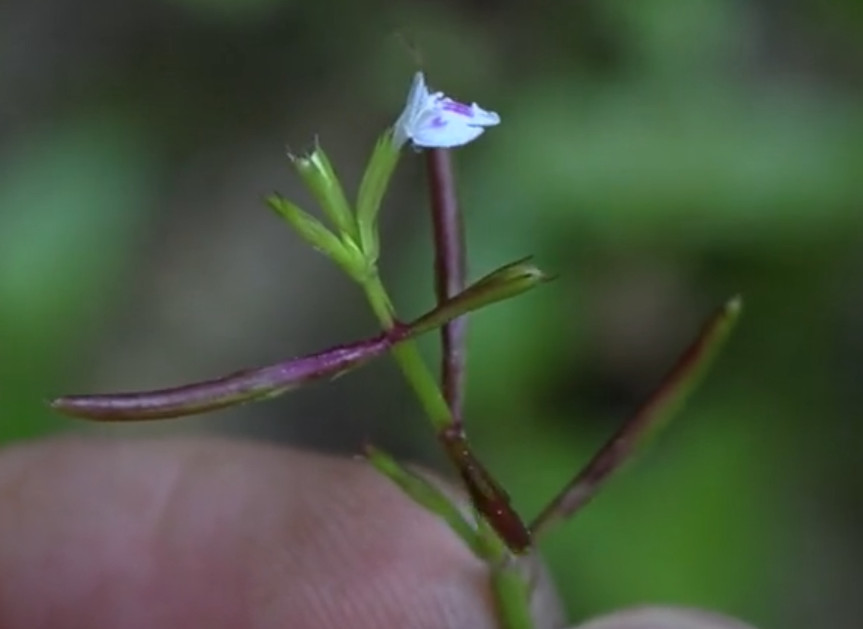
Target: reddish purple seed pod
{"points": [[487, 496], [504, 520]]}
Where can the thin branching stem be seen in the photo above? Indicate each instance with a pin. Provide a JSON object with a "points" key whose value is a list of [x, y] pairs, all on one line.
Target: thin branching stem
{"points": [[266, 382], [450, 266], [450, 272]]}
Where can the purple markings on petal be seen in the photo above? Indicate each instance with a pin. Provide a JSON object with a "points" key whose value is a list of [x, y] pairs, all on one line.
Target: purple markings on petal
{"points": [[448, 104]]}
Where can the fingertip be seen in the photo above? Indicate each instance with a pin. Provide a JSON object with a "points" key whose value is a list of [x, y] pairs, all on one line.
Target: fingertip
{"points": [[224, 534], [664, 618]]}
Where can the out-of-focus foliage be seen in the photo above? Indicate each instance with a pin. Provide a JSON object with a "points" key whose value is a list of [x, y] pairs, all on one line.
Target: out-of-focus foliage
{"points": [[70, 198], [658, 155]]}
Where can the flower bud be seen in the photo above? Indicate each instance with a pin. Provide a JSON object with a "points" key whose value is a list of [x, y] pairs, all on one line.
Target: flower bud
{"points": [[320, 178]]}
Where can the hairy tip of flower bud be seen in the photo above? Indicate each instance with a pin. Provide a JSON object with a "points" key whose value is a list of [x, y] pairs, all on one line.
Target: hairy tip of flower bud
{"points": [[318, 174]]}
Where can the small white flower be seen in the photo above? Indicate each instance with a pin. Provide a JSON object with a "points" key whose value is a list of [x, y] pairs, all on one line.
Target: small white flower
{"points": [[432, 120]]}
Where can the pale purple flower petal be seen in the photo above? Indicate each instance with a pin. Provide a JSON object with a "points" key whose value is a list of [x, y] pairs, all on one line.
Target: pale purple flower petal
{"points": [[433, 120]]}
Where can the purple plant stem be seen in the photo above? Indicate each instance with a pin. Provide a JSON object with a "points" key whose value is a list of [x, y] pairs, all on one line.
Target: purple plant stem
{"points": [[236, 388], [266, 382], [487, 496], [450, 273]]}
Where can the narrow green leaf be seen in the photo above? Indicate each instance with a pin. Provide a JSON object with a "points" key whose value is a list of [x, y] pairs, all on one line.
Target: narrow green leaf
{"points": [[321, 238], [508, 281], [427, 495], [373, 186]]}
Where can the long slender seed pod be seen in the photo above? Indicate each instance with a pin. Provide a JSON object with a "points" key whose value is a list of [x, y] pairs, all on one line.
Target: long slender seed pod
{"points": [[654, 414]]}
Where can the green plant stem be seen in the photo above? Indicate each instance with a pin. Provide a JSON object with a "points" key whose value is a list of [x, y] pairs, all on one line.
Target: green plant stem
{"points": [[511, 591], [489, 499], [408, 357]]}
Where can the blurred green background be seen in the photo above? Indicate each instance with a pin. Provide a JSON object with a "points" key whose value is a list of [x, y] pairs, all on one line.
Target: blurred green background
{"points": [[658, 155]]}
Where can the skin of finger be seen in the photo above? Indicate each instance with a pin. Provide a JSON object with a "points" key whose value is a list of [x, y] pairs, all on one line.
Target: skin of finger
{"points": [[664, 618], [110, 534]]}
